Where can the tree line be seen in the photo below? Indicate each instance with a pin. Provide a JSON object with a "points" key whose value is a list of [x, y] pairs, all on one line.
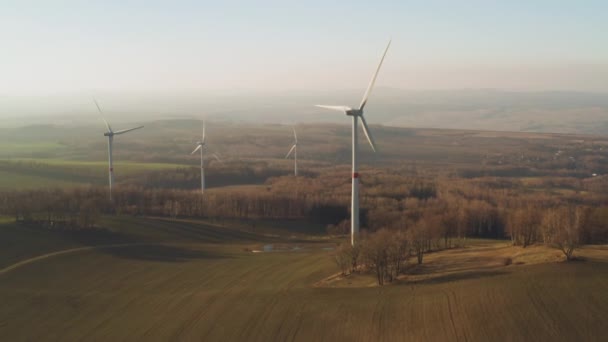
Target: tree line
{"points": [[420, 212], [386, 252]]}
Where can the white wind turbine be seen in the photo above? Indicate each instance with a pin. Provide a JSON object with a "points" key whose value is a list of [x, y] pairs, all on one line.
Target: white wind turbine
{"points": [[357, 113], [294, 149], [202, 146], [110, 134]]}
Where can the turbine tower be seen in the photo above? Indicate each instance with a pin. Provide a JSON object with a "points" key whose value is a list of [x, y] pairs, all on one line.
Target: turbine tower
{"points": [[357, 113], [200, 146], [294, 149], [110, 134]]}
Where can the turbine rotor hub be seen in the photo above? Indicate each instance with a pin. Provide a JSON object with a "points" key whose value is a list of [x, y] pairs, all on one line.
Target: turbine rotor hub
{"points": [[354, 112]]}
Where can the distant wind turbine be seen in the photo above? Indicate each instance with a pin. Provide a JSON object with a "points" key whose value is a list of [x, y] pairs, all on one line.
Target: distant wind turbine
{"points": [[110, 134], [357, 113], [294, 149], [202, 146]]}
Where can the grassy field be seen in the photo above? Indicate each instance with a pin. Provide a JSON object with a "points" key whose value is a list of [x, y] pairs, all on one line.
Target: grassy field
{"points": [[10, 149], [126, 167], [189, 280], [17, 180], [30, 173]]}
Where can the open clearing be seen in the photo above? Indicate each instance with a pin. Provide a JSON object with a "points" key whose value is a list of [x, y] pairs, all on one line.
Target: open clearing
{"points": [[126, 166], [27, 173], [16, 180], [188, 280], [12, 149]]}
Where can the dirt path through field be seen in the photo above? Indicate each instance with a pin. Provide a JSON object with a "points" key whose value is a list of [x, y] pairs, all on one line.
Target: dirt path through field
{"points": [[69, 251], [96, 247]]}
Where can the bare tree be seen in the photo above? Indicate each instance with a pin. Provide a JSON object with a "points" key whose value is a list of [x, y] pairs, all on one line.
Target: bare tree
{"points": [[418, 238], [375, 255], [550, 225], [523, 225], [398, 252], [89, 213], [570, 221], [342, 257]]}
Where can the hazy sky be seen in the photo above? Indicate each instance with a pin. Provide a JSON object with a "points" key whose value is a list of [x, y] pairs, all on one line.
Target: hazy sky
{"points": [[49, 47]]}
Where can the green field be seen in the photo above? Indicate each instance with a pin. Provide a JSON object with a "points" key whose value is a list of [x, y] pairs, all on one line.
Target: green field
{"points": [[17, 180], [192, 280], [125, 166], [29, 173], [9, 149]]}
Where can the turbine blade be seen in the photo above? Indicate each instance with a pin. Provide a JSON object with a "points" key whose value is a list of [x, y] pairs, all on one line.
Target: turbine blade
{"points": [[196, 149], [217, 157], [371, 83], [203, 132], [128, 130], [289, 153], [97, 104], [101, 114], [368, 134], [295, 136], [338, 108], [107, 125]]}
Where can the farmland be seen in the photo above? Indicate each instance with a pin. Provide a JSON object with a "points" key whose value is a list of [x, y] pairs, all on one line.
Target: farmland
{"points": [[41, 156], [182, 279], [240, 171], [29, 173], [254, 259]]}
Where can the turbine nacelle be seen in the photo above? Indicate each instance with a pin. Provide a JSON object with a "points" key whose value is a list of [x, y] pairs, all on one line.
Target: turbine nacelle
{"points": [[357, 114], [113, 133], [354, 112], [345, 109]]}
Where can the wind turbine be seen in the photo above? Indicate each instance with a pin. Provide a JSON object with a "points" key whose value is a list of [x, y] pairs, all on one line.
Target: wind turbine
{"points": [[357, 113], [201, 146], [110, 134], [294, 149]]}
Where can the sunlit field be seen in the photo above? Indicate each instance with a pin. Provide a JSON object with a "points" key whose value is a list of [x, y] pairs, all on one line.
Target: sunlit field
{"points": [[159, 279]]}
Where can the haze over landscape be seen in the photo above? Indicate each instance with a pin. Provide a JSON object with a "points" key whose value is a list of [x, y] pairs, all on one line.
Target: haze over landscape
{"points": [[303, 170], [530, 66]]}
